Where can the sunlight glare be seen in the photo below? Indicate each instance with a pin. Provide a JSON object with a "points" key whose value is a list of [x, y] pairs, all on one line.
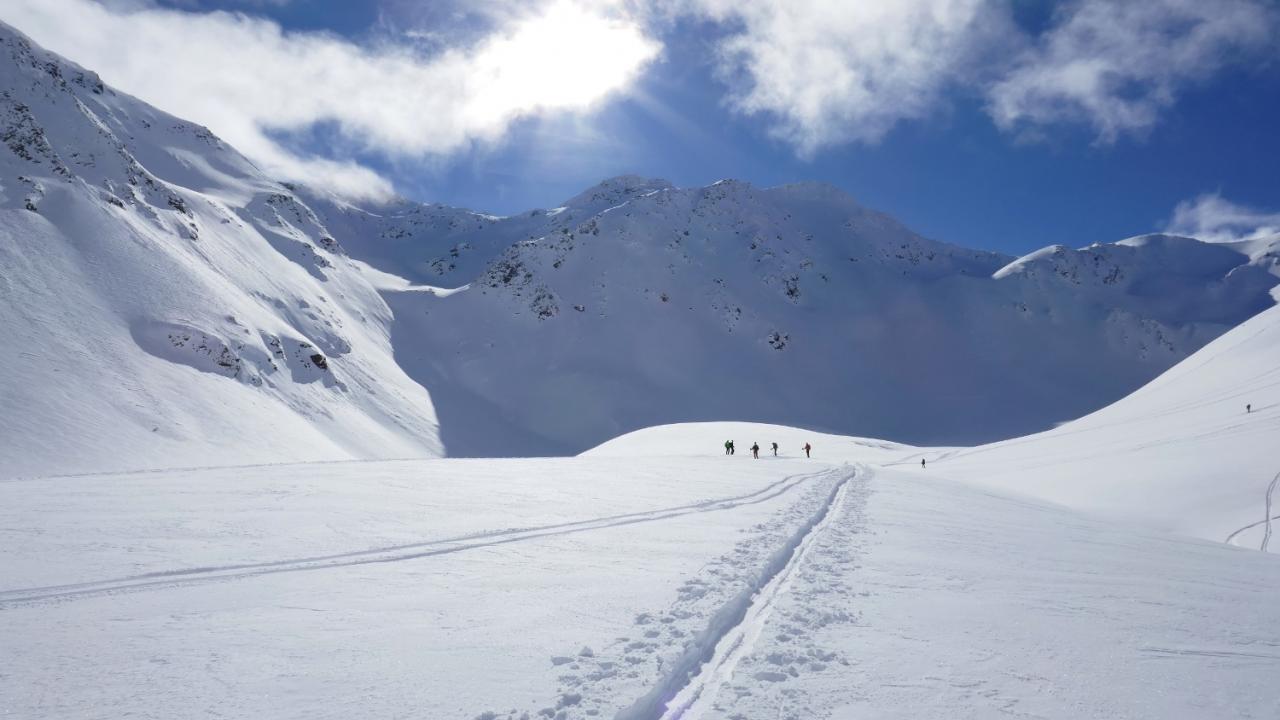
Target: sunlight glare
{"points": [[569, 57]]}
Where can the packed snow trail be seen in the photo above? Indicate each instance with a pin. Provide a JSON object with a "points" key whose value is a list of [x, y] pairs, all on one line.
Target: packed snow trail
{"points": [[733, 629], [696, 697], [398, 553]]}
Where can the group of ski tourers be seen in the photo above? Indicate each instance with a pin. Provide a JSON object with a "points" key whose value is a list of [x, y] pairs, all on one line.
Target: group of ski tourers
{"points": [[755, 449]]}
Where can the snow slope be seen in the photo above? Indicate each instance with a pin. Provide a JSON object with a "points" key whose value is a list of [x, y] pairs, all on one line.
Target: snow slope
{"points": [[163, 303], [639, 304], [624, 587], [1181, 453]]}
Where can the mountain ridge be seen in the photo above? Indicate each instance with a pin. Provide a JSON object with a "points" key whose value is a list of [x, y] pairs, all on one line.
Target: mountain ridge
{"points": [[166, 298]]}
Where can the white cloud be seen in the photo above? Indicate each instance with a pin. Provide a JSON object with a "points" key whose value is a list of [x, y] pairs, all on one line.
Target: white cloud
{"points": [[1117, 64], [829, 71], [819, 72], [243, 77], [1215, 219]]}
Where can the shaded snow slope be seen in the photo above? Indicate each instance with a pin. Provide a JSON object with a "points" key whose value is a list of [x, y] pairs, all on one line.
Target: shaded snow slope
{"points": [[791, 305], [163, 303], [1181, 453], [601, 587]]}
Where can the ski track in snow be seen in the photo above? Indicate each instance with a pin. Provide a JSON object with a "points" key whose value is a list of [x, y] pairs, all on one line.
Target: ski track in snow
{"points": [[709, 659], [698, 695], [1266, 536], [1267, 517], [397, 553]]}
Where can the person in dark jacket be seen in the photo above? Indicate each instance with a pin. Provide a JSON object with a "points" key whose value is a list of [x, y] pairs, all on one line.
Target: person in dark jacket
{"points": [[755, 450], [775, 449], [807, 447]]}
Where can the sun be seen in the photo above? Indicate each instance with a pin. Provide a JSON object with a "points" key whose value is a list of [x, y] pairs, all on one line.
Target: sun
{"points": [[569, 57]]}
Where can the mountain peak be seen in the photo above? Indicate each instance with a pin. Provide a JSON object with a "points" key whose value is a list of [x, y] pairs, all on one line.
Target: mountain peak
{"points": [[616, 190]]}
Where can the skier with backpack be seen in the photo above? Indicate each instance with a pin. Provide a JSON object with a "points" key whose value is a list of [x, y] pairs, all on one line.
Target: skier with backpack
{"points": [[806, 449], [775, 449], [755, 450], [728, 447]]}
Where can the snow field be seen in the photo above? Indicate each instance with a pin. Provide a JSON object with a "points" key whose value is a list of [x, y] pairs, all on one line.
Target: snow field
{"points": [[927, 598], [612, 586], [450, 588]]}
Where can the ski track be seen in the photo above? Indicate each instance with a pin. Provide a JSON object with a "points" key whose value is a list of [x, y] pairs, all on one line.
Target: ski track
{"points": [[1231, 539], [1266, 535], [691, 685], [1267, 517], [397, 553]]}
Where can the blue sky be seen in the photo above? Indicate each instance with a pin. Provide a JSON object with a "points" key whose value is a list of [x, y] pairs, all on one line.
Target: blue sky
{"points": [[980, 122]]}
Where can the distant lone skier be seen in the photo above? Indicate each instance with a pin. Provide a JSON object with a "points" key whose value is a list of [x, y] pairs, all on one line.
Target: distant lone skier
{"points": [[807, 447], [775, 449], [1248, 408], [755, 450], [921, 463]]}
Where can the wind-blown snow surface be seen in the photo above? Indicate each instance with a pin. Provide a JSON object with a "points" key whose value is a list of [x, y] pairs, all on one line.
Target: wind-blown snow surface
{"points": [[639, 304], [163, 303]]}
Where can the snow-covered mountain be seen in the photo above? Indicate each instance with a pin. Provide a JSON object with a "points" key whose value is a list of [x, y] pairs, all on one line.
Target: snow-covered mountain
{"points": [[637, 303], [166, 303], [163, 303]]}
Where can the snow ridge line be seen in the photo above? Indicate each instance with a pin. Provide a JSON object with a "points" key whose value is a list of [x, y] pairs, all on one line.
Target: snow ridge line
{"points": [[397, 553], [726, 636]]}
